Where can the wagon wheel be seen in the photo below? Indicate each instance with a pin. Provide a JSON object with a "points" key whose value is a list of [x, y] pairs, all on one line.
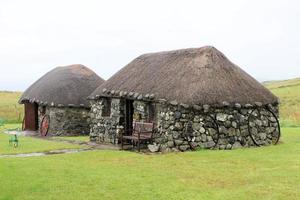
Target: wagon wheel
{"points": [[263, 127], [45, 125], [23, 124]]}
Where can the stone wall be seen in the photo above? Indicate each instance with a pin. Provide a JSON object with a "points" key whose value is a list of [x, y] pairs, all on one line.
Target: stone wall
{"points": [[181, 128], [105, 128], [66, 120]]}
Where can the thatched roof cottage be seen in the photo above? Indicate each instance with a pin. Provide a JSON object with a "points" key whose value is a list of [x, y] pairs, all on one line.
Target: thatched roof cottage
{"points": [[196, 98], [61, 96]]}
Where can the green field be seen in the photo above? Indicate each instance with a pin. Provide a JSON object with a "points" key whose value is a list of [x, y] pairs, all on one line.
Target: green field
{"points": [[256, 173], [10, 110], [289, 93], [29, 144], [74, 138], [271, 172]]}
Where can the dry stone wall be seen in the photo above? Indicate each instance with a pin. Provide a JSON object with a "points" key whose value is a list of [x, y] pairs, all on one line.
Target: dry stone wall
{"points": [[179, 127], [105, 128], [66, 120]]}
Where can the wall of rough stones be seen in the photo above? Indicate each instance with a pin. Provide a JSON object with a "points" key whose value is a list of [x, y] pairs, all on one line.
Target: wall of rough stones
{"points": [[68, 121], [180, 127], [105, 128]]}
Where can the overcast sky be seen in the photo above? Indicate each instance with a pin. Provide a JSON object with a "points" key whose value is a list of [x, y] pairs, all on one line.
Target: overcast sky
{"points": [[262, 37]]}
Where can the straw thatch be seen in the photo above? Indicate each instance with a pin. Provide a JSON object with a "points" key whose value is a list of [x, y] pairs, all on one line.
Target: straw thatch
{"points": [[190, 76], [68, 85]]}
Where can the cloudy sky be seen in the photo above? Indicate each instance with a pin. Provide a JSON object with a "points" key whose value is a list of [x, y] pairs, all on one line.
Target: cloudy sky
{"points": [[262, 37]]}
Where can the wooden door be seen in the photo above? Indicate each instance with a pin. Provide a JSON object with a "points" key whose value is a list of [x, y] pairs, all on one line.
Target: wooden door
{"points": [[128, 114], [31, 116]]}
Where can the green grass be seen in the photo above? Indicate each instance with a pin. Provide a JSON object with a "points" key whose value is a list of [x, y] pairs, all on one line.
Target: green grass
{"points": [[74, 138], [10, 110], [11, 126], [29, 144], [256, 173], [289, 93]]}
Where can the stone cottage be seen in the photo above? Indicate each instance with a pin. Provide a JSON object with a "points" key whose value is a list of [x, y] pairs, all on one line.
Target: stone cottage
{"points": [[60, 95], [196, 98]]}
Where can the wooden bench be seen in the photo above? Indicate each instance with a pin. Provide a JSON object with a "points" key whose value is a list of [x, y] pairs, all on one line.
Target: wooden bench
{"points": [[141, 132]]}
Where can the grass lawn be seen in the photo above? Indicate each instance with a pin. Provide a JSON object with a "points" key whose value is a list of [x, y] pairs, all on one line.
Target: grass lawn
{"points": [[10, 126], [74, 138], [257, 173], [29, 144]]}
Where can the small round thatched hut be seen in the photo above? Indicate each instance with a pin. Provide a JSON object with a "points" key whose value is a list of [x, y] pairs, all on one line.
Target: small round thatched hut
{"points": [[196, 98], [61, 96]]}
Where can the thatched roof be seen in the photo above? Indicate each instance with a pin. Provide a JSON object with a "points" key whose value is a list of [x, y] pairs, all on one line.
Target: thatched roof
{"points": [[195, 76], [63, 86]]}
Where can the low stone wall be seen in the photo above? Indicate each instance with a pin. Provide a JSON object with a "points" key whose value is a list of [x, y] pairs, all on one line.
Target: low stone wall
{"points": [[67, 121], [181, 128]]}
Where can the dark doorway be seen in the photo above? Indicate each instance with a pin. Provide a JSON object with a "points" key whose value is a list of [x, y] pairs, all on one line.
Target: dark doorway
{"points": [[31, 116], [128, 115]]}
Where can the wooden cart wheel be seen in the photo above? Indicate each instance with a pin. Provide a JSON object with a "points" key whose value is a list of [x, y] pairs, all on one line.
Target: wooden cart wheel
{"points": [[23, 124], [44, 125]]}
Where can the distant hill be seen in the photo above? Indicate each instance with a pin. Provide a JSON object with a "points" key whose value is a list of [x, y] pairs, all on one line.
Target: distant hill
{"points": [[289, 93], [282, 83]]}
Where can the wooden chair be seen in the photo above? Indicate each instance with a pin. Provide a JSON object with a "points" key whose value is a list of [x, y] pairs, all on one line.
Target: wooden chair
{"points": [[141, 132]]}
